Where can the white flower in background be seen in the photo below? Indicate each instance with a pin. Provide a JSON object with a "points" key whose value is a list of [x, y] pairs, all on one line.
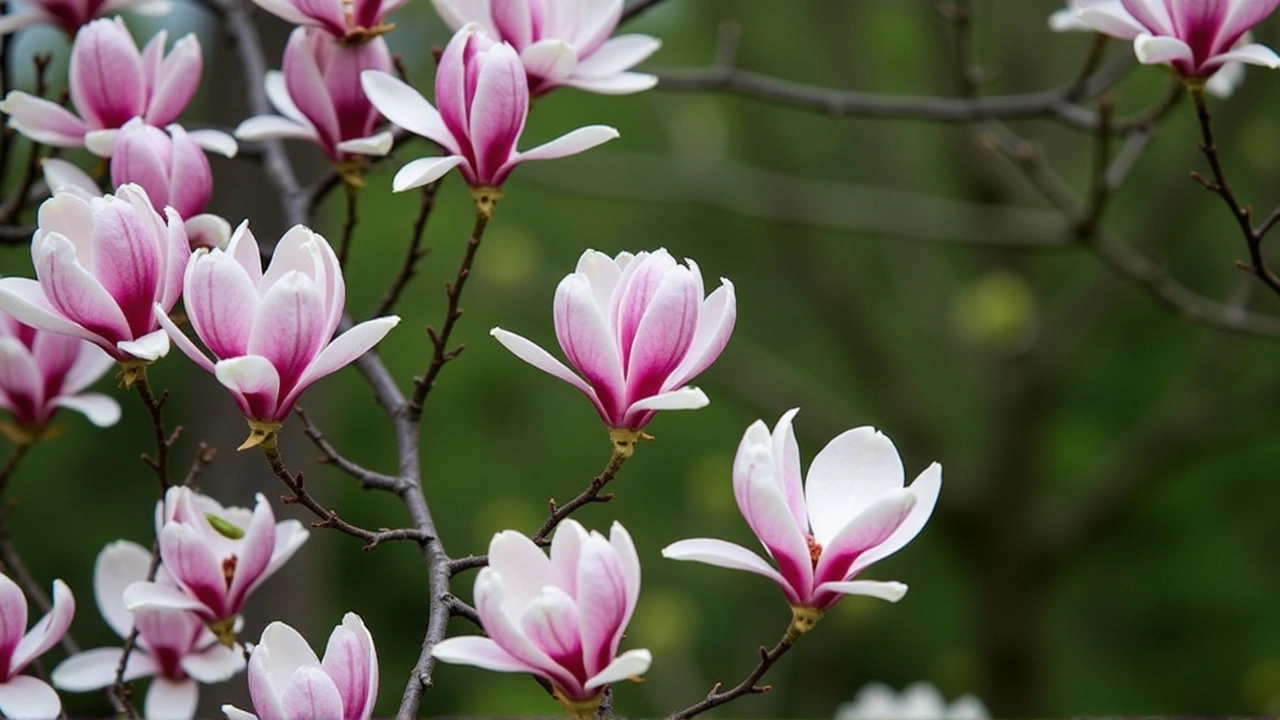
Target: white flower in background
{"points": [[919, 701]]}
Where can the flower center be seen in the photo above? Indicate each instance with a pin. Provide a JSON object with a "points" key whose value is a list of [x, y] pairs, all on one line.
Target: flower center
{"points": [[815, 552], [229, 569]]}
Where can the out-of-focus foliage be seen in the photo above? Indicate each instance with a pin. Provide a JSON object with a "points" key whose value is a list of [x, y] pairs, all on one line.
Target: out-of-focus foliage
{"points": [[1038, 371]]}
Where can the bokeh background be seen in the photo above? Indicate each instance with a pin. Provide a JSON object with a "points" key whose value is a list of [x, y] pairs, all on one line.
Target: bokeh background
{"points": [[1106, 541]]}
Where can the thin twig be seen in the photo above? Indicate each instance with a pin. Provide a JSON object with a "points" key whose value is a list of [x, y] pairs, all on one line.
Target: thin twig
{"points": [[329, 518], [415, 252], [748, 686], [164, 440], [17, 202], [369, 479], [349, 227]]}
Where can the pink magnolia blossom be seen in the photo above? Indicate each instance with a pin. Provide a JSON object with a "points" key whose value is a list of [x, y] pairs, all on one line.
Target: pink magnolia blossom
{"points": [[173, 646], [483, 96], [1195, 37], [288, 682], [561, 618], [203, 230], [638, 329], [320, 99], [354, 21], [269, 332], [101, 266], [111, 83], [41, 372], [70, 15], [562, 42], [23, 697], [215, 556], [168, 165], [852, 511]]}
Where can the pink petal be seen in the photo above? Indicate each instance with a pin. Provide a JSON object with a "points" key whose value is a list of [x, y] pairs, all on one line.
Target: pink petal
{"points": [[176, 82], [566, 548], [889, 591], [289, 328], [190, 560], [21, 380], [727, 555], [424, 170], [1157, 50], [663, 335], [184, 343], [513, 20], [925, 488], [43, 121], [142, 155], [311, 694], [89, 364], [76, 293], [871, 527], [24, 299], [550, 621], [307, 87], [154, 596], [603, 595], [214, 664], [549, 60], [105, 75], [345, 63], [572, 143], [616, 55], [451, 91], [13, 622], [541, 359], [327, 14], [191, 178], [589, 342], [221, 303], [46, 633], [290, 535], [101, 410], [716, 320], [765, 508], [498, 112], [490, 598], [480, 652], [524, 568], [269, 127], [255, 551], [96, 668], [126, 260], [405, 107], [352, 663], [344, 350]]}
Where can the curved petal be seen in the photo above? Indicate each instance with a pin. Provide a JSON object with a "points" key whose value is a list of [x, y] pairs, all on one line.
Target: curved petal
{"points": [[101, 410], [234, 713], [1160, 49], [13, 620], [871, 527], [284, 10], [589, 342], [344, 350], [177, 81], [190, 560], [26, 698], [853, 471], [221, 303], [572, 143], [406, 107], [256, 549], [531, 353], [351, 661], [214, 664], [727, 555], [96, 668], [154, 596], [75, 292], [630, 664], [290, 535], [525, 569], [890, 591], [716, 319], [424, 170], [603, 596], [24, 299], [480, 652], [149, 347], [663, 334], [254, 382], [119, 565], [1252, 54], [62, 176], [1108, 20], [616, 55], [551, 60], [491, 598], [765, 508], [43, 121], [184, 343], [215, 141], [171, 699], [685, 398], [925, 488], [374, 145], [46, 633], [624, 83], [311, 694]]}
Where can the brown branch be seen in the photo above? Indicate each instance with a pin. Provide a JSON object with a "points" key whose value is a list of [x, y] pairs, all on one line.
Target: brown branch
{"points": [[415, 252], [164, 440], [748, 686], [558, 513], [442, 353], [328, 517], [369, 479], [1222, 188], [17, 202], [204, 456]]}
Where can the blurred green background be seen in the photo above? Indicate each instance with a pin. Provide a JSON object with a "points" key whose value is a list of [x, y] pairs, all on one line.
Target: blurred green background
{"points": [[1106, 541]]}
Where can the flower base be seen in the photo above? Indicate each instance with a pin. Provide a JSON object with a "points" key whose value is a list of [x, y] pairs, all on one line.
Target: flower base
{"points": [[486, 198], [261, 432], [803, 618]]}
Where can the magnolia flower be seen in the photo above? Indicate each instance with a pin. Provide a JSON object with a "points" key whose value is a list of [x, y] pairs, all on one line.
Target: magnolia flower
{"points": [[101, 266], [203, 230], [112, 83], [320, 98], [287, 680], [1195, 37], [270, 332], [561, 618], [169, 166], [919, 701], [852, 511], [1221, 84], [351, 20], [70, 15], [484, 99], [562, 42], [174, 646], [216, 557], [638, 329], [42, 371], [23, 696]]}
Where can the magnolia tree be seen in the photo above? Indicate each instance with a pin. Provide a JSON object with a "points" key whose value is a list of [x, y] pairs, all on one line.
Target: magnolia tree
{"points": [[127, 264]]}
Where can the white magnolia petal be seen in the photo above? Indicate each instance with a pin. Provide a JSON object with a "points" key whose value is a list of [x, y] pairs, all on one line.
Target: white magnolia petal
{"points": [[101, 410], [890, 591], [632, 663], [215, 141], [423, 171], [374, 145]]}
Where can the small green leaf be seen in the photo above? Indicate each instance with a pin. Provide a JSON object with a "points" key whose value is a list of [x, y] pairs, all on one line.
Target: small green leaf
{"points": [[224, 528]]}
